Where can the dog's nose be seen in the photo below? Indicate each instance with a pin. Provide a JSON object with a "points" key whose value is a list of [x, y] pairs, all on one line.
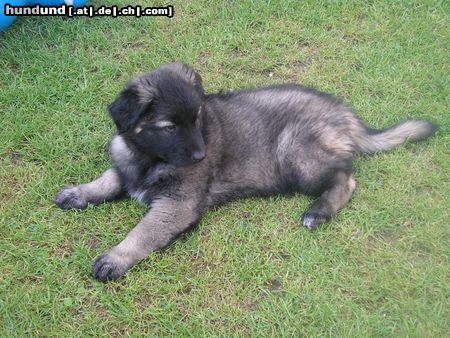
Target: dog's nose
{"points": [[198, 155]]}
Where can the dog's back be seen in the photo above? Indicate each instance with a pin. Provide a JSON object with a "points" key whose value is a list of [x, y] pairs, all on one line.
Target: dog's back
{"points": [[289, 138]]}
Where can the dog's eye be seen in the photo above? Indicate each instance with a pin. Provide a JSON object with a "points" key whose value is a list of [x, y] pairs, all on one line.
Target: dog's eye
{"points": [[171, 128]]}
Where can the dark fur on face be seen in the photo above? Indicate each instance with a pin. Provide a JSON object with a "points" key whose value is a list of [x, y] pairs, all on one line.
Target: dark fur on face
{"points": [[159, 114], [181, 151]]}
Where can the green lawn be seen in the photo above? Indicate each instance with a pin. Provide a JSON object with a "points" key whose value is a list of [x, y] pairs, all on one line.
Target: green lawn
{"points": [[380, 268]]}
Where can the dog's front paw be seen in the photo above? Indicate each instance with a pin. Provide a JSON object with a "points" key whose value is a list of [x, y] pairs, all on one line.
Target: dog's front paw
{"points": [[312, 219], [70, 198], [111, 265]]}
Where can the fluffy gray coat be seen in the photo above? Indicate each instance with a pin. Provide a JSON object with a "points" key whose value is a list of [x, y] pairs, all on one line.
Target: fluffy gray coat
{"points": [[181, 151]]}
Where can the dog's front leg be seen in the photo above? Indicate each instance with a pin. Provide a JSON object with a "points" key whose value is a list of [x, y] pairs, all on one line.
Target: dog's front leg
{"points": [[165, 221], [105, 188]]}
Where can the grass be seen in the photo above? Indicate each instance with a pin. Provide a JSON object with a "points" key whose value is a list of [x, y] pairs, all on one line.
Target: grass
{"points": [[380, 268]]}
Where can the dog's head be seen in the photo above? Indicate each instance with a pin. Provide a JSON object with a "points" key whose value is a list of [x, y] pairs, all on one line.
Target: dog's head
{"points": [[160, 113]]}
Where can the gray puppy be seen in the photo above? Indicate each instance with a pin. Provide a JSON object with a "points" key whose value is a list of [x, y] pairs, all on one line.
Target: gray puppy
{"points": [[181, 151]]}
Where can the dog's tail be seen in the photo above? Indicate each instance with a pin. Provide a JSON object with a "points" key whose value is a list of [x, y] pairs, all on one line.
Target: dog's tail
{"points": [[374, 140]]}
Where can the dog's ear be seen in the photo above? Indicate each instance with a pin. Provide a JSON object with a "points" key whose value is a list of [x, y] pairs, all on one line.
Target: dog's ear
{"points": [[131, 103], [189, 74], [194, 78]]}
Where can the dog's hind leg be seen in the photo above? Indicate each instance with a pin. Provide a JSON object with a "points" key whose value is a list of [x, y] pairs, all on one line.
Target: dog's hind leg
{"points": [[331, 200], [105, 188]]}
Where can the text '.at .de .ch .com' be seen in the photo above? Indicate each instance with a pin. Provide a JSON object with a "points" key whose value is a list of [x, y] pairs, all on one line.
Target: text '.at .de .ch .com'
{"points": [[88, 11]]}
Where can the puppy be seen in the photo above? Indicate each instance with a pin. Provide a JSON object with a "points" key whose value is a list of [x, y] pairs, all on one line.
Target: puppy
{"points": [[181, 151]]}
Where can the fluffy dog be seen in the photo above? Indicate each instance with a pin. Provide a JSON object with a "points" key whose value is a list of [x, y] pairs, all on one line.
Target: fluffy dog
{"points": [[181, 151]]}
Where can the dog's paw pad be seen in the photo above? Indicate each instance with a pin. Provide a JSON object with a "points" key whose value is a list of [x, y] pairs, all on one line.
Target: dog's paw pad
{"points": [[70, 198], [106, 267], [312, 219]]}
